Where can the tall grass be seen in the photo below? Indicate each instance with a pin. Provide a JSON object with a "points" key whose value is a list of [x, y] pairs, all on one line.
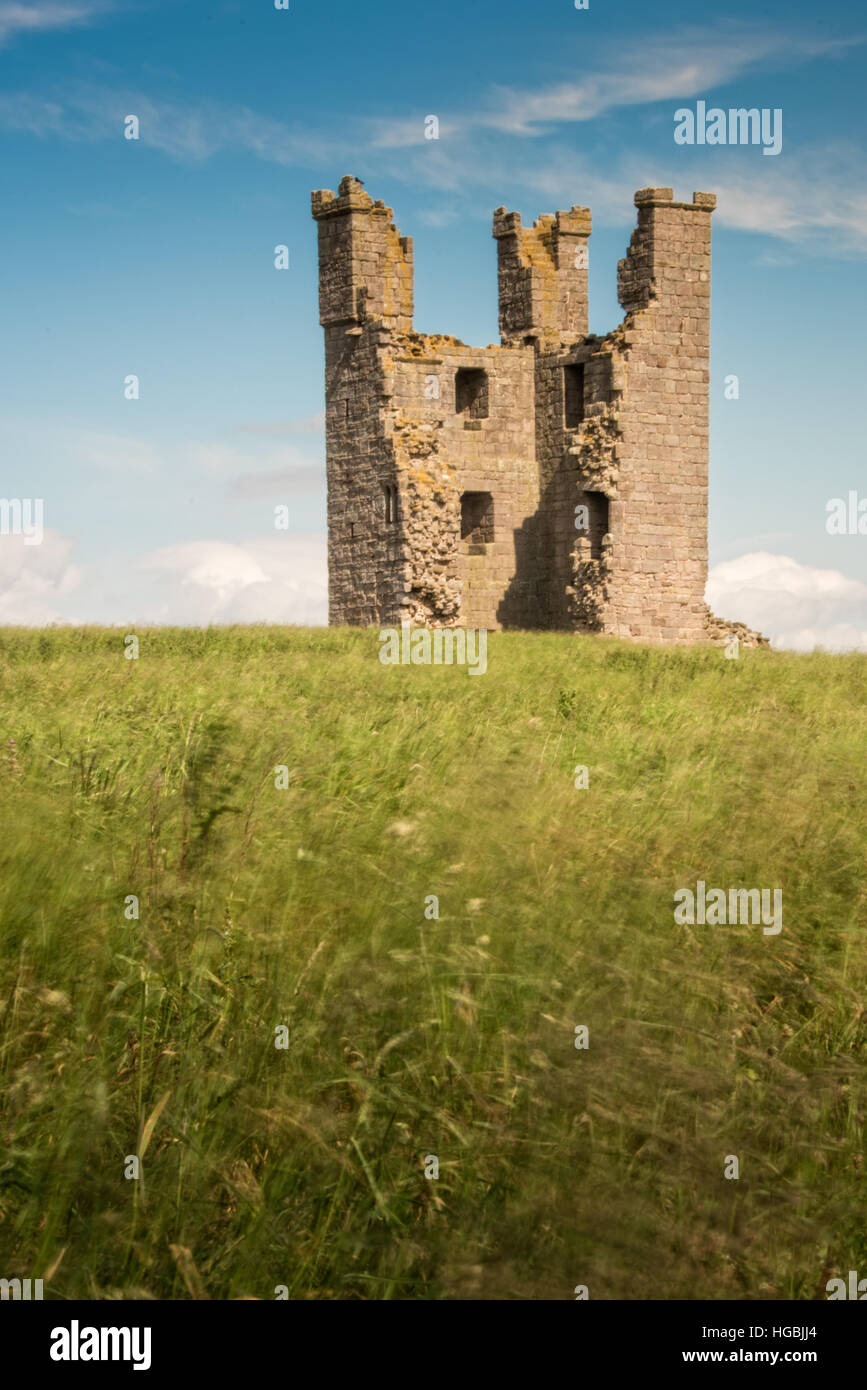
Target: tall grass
{"points": [[411, 1036]]}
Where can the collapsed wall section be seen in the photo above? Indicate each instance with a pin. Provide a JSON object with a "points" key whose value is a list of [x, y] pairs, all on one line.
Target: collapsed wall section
{"points": [[461, 426], [578, 391]]}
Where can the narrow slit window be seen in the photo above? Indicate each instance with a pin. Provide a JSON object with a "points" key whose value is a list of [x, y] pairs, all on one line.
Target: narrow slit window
{"points": [[391, 504], [573, 395], [597, 507]]}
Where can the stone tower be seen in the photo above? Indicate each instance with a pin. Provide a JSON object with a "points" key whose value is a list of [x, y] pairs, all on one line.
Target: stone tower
{"points": [[558, 480]]}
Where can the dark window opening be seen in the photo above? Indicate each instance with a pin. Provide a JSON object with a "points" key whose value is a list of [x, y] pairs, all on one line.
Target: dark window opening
{"points": [[597, 507], [573, 395], [392, 510], [477, 519], [471, 393]]}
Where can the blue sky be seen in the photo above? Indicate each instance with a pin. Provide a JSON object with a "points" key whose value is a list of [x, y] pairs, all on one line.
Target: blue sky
{"points": [[156, 257]]}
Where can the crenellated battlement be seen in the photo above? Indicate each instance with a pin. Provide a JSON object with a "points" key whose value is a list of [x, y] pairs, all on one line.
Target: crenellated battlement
{"points": [[542, 273], [670, 238], [365, 265]]}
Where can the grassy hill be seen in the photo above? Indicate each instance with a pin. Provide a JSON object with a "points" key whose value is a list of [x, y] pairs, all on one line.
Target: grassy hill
{"points": [[408, 1036]]}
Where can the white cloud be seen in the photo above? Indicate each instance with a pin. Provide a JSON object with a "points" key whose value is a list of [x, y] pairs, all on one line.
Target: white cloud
{"points": [[283, 579], [275, 580], [796, 605], [217, 567], [280, 579], [34, 579], [22, 19]]}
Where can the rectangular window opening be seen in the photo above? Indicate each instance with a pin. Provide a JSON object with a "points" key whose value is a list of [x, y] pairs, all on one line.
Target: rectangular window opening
{"points": [[471, 393], [477, 519], [573, 395]]}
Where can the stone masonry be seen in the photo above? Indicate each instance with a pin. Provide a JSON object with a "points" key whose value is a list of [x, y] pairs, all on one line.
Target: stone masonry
{"points": [[558, 480]]}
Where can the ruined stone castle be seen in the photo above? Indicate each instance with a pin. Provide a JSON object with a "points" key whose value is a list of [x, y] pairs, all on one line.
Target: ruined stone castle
{"points": [[558, 480]]}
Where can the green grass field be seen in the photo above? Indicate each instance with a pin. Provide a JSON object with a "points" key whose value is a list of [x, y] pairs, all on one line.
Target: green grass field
{"points": [[408, 1036]]}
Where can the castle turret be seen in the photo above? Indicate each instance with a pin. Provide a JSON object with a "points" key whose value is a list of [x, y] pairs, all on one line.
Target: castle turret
{"points": [[660, 524], [365, 265], [365, 299], [669, 249], [542, 273]]}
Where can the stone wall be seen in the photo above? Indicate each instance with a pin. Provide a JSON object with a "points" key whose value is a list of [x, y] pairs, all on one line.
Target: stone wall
{"points": [[443, 453], [659, 538]]}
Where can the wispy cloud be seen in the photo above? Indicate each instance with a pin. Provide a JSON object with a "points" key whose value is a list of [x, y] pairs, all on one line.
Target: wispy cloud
{"points": [[112, 453], [310, 424], [677, 65], [276, 471], [689, 63], [822, 200], [34, 19], [83, 112], [101, 459], [279, 483]]}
